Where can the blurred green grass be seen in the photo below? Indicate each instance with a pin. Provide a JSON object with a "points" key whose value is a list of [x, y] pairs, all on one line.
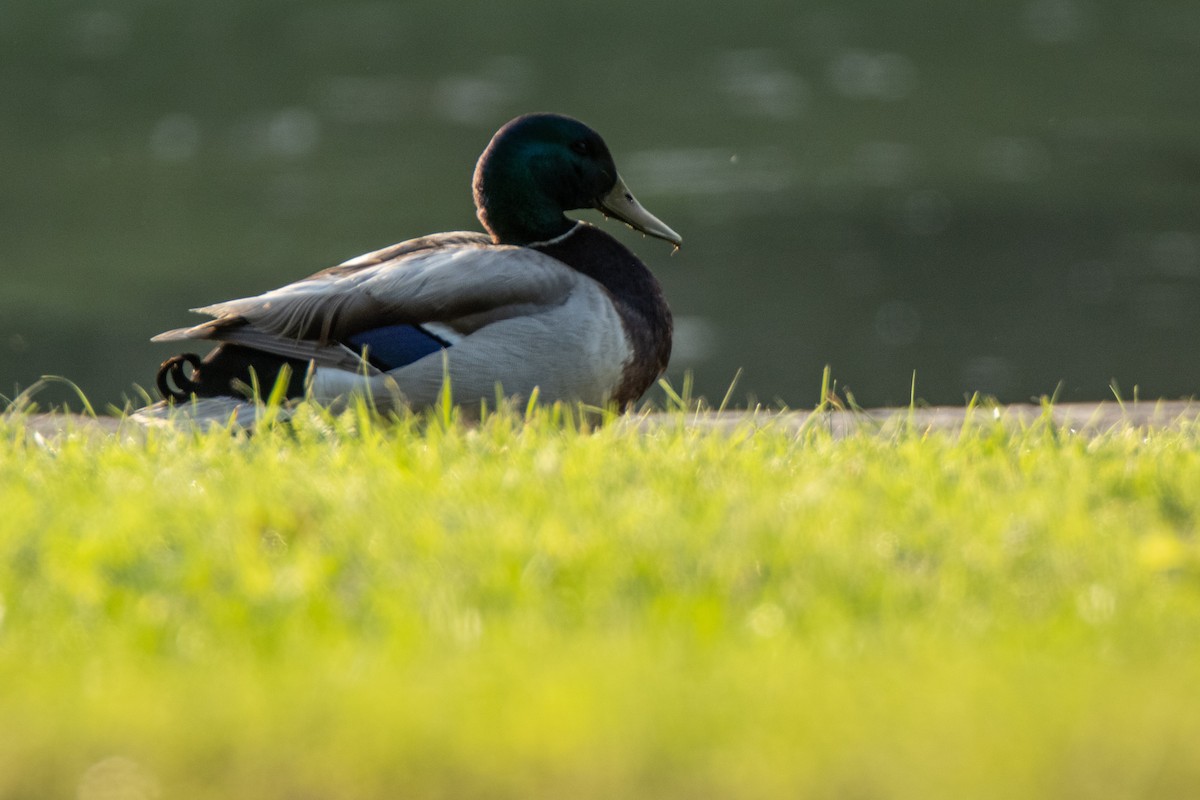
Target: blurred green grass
{"points": [[525, 609]]}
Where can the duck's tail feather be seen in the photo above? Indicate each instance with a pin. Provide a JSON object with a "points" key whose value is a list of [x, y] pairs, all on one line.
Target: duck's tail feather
{"points": [[209, 329], [230, 371]]}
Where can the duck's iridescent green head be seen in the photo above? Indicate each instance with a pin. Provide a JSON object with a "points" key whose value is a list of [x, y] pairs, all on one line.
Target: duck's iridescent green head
{"points": [[541, 165]]}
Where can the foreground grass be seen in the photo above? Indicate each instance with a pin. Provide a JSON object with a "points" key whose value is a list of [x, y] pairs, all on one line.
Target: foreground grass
{"points": [[528, 610]]}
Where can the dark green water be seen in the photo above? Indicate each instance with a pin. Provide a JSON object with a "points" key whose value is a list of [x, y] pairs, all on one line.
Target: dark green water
{"points": [[999, 196]]}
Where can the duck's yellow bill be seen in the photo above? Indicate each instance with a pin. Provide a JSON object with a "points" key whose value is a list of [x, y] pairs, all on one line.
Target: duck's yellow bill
{"points": [[621, 203]]}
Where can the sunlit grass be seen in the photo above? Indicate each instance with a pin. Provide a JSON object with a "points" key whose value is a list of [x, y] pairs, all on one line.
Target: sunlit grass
{"points": [[343, 608]]}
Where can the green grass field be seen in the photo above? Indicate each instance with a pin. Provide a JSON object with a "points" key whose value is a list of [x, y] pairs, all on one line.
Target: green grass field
{"points": [[525, 609]]}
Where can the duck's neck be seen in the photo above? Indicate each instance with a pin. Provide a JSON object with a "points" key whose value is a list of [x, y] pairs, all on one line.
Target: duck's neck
{"points": [[512, 206]]}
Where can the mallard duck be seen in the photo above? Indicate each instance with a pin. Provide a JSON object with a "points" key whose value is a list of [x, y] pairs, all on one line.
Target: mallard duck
{"points": [[540, 301]]}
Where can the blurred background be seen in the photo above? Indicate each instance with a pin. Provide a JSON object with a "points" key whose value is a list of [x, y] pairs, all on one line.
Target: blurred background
{"points": [[999, 196]]}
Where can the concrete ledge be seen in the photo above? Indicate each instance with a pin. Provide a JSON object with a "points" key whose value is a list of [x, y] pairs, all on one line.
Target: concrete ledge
{"points": [[1085, 418]]}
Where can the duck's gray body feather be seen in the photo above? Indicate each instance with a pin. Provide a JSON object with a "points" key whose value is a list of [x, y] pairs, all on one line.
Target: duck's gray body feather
{"points": [[516, 317], [575, 350]]}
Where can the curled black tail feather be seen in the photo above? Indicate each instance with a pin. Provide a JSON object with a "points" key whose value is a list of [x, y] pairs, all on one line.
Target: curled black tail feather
{"points": [[171, 371], [228, 371]]}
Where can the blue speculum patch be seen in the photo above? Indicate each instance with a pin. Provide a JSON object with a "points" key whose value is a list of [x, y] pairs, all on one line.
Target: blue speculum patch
{"points": [[396, 345]]}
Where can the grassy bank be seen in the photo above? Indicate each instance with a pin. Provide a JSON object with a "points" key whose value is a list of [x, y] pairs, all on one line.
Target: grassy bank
{"points": [[354, 610]]}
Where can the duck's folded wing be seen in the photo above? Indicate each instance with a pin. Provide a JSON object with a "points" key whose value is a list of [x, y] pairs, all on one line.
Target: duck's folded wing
{"points": [[440, 284], [397, 251]]}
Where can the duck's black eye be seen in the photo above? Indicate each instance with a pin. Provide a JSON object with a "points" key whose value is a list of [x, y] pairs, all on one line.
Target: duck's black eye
{"points": [[582, 147]]}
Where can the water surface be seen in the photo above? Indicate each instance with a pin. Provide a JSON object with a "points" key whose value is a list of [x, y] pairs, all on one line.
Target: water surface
{"points": [[1000, 197]]}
